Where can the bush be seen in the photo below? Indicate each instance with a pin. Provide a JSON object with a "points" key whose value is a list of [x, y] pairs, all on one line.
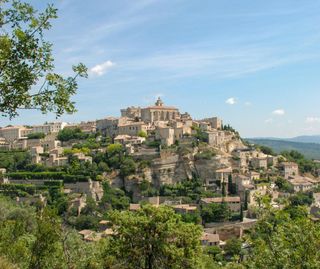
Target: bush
{"points": [[36, 136], [143, 134], [68, 134], [205, 155]]}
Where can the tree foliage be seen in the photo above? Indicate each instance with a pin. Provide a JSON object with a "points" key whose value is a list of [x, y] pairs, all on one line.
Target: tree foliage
{"points": [[27, 77], [155, 238]]}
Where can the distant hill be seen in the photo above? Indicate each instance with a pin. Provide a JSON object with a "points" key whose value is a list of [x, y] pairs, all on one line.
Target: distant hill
{"points": [[306, 139], [310, 150], [300, 139]]}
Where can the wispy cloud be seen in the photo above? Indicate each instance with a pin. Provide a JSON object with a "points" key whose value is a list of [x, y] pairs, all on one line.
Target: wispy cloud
{"points": [[279, 112], [313, 120], [101, 69], [268, 120], [231, 101]]}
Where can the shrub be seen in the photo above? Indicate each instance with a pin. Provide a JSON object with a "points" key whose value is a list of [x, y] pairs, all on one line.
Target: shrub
{"points": [[36, 136]]}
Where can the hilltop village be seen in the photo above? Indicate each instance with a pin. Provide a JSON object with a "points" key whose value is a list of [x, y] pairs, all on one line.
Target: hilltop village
{"points": [[153, 155]]}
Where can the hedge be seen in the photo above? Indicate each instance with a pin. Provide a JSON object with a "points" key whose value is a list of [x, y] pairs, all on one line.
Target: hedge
{"points": [[20, 189], [67, 178]]}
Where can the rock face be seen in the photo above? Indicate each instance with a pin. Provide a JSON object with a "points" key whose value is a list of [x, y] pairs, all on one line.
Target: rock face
{"points": [[170, 167]]}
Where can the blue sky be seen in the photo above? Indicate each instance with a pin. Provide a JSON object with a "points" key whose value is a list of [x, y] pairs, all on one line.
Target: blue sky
{"points": [[256, 64]]}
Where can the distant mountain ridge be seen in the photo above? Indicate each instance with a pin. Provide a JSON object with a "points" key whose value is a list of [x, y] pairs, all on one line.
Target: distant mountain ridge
{"points": [[299, 139], [310, 150]]}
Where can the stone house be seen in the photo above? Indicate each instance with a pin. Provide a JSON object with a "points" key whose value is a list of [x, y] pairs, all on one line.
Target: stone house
{"points": [[302, 184], [234, 203], [132, 128], [215, 138], [209, 239], [259, 163], [184, 208], [13, 133], [289, 169], [166, 135]]}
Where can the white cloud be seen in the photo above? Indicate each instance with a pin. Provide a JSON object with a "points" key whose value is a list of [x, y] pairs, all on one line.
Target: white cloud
{"points": [[279, 112], [231, 101], [248, 104], [268, 121], [102, 68], [312, 120]]}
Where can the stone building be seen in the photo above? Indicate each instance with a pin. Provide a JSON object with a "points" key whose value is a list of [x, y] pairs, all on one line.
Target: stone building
{"points": [[233, 203], [289, 169], [214, 122], [159, 112], [259, 163], [12, 133], [215, 138], [85, 126], [131, 112], [166, 135], [47, 128], [109, 125], [132, 128]]}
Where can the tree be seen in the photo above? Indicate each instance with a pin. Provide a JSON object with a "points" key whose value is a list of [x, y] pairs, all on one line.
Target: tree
{"points": [[114, 198], [267, 150], [230, 184], [46, 252], [223, 190], [215, 212], [233, 247], [27, 77], [67, 134], [155, 238], [142, 134], [241, 213], [301, 199], [127, 167], [36, 136], [278, 241]]}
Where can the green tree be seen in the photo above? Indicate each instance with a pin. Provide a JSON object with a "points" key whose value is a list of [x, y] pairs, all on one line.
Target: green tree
{"points": [[143, 134], [278, 241], [155, 238], [241, 213], [46, 251], [223, 190], [114, 198], [27, 78], [36, 136], [215, 212], [233, 247], [127, 167]]}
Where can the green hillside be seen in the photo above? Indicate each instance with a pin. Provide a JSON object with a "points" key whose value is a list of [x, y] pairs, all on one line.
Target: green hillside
{"points": [[310, 150]]}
